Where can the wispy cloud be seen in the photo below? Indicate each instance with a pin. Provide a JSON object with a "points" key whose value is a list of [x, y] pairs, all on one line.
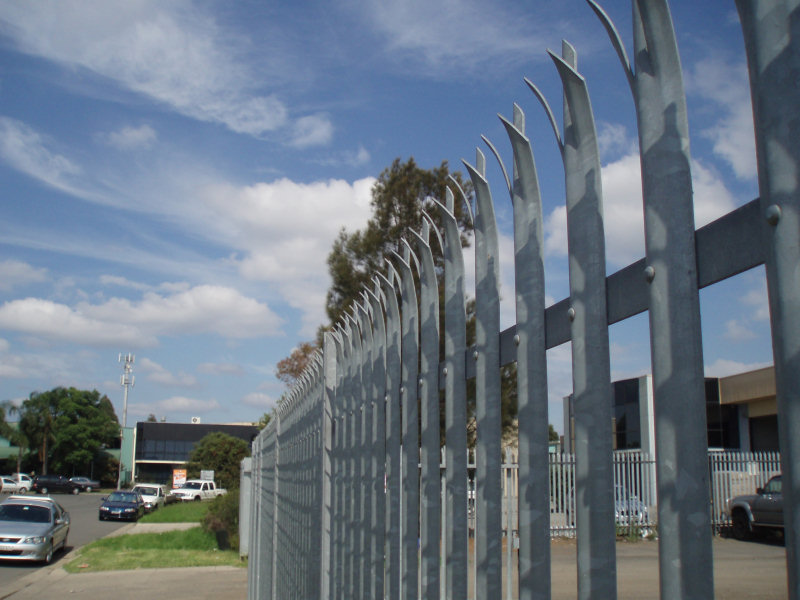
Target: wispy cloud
{"points": [[130, 138], [27, 151], [446, 36], [174, 53], [158, 374], [313, 130], [231, 369], [15, 273]]}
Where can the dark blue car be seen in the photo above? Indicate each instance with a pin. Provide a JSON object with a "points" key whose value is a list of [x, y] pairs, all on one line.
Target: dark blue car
{"points": [[122, 505]]}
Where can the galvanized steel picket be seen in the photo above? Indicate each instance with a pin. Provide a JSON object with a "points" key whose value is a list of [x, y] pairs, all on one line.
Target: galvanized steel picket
{"points": [[349, 498]]}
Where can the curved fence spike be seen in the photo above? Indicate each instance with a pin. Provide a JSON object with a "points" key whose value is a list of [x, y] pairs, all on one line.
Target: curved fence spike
{"points": [[548, 111], [499, 161], [616, 41], [467, 203]]}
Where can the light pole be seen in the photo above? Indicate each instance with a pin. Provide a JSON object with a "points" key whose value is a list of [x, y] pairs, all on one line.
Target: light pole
{"points": [[127, 380]]}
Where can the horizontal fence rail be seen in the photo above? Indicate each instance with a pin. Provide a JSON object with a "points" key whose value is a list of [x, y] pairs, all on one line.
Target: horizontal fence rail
{"points": [[353, 495]]}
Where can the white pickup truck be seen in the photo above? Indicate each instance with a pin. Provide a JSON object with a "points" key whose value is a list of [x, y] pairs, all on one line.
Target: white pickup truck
{"points": [[198, 489]]}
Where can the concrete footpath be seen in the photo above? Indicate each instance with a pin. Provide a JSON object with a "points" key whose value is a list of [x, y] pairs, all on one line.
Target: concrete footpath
{"points": [[742, 570]]}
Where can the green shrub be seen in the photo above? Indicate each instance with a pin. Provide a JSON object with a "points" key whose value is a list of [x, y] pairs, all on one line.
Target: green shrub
{"points": [[223, 516]]}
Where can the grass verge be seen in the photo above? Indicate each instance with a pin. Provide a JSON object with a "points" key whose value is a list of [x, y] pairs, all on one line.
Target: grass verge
{"points": [[180, 512], [185, 548]]}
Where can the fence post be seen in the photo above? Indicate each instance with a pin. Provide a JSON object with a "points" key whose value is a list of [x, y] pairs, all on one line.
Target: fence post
{"points": [[378, 462], [591, 370], [408, 400], [393, 433], [773, 56], [430, 474], [489, 558], [532, 411], [455, 344]]}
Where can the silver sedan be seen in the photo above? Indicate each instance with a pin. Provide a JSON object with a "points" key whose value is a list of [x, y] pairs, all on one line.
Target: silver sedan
{"points": [[32, 528]]}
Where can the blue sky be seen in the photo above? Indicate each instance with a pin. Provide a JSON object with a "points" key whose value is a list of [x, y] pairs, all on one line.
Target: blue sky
{"points": [[173, 175]]}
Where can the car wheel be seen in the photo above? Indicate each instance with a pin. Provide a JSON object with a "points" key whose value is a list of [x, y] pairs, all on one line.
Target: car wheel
{"points": [[48, 558], [43, 490], [88, 488], [75, 491], [23, 491], [741, 525], [197, 498]]}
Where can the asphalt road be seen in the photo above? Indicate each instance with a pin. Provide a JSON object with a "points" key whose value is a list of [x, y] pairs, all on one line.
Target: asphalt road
{"points": [[84, 528]]}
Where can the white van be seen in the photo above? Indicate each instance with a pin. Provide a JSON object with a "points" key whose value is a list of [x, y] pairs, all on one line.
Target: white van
{"points": [[153, 494]]}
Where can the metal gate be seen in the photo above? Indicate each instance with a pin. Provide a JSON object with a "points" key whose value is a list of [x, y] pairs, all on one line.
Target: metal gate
{"points": [[347, 478]]}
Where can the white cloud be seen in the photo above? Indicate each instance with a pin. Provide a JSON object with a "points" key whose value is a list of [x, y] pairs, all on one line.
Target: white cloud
{"points": [[285, 231], [173, 53], [158, 374], [259, 400], [623, 212], [758, 300], [202, 309], [49, 320], [14, 273], [737, 331], [731, 128], [182, 404], [613, 139], [313, 130], [130, 138]]}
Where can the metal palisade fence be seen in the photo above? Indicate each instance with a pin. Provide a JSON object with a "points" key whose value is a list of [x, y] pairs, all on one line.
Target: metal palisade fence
{"points": [[350, 499]]}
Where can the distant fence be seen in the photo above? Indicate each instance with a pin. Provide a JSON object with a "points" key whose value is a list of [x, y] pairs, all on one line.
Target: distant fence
{"points": [[338, 513]]}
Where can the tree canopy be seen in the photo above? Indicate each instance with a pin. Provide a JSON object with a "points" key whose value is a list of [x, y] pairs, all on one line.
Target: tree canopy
{"points": [[221, 453], [66, 427], [290, 368], [399, 196]]}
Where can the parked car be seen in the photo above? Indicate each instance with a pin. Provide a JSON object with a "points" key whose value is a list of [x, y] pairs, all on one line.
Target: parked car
{"points": [[86, 484], [122, 505], [153, 494], [628, 508], [22, 478], [44, 484], [760, 511], [199, 489], [32, 528], [12, 486]]}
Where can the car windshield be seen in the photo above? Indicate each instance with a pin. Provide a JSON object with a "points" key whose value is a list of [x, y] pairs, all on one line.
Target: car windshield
{"points": [[145, 491], [192, 485], [122, 497], [24, 513], [773, 486]]}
